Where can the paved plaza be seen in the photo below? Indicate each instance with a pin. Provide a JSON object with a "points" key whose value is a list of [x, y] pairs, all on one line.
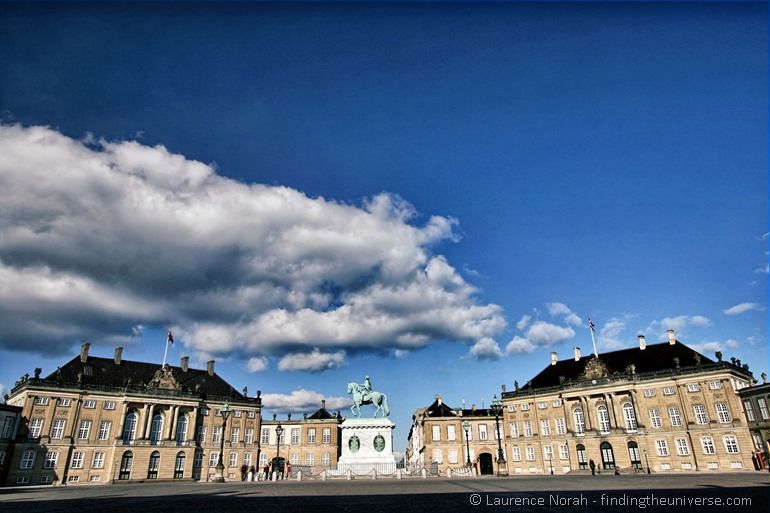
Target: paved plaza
{"points": [[578, 493]]}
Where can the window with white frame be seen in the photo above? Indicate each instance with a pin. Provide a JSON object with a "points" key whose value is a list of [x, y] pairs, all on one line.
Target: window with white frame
{"points": [[109, 405], [700, 414], [452, 456], [46, 479], [662, 447], [682, 449], [310, 459], [237, 414], [547, 452], [483, 432], [326, 459], [655, 420], [251, 415], [756, 438], [693, 387], [84, 429], [265, 438], [198, 459], [58, 428], [524, 406], [51, 457], [668, 391], [674, 416], [629, 416], [561, 427], [156, 429], [22, 479], [514, 428], [749, 409], [326, 436], [763, 408], [249, 435], [235, 435], [73, 479], [545, 427], [511, 408], [89, 404], [98, 460], [63, 402], [216, 434], [202, 434], [516, 453], [27, 459], [247, 459], [604, 418], [707, 443], [8, 427], [450, 433], [542, 405], [436, 432], [311, 435], [282, 437], [129, 427], [181, 429], [530, 453], [41, 401], [649, 392], [262, 459], [294, 436], [731, 444], [214, 459], [723, 413], [580, 423], [77, 459], [232, 461], [35, 427], [104, 429], [715, 385], [556, 403], [294, 458], [527, 428], [563, 452]]}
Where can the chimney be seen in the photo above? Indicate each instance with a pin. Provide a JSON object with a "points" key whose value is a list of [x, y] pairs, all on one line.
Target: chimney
{"points": [[577, 354], [118, 355], [671, 337], [323, 403], [185, 363], [504, 387], [642, 343], [210, 366], [554, 358], [84, 351]]}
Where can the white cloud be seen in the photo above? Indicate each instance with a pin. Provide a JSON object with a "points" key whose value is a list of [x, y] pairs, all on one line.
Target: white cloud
{"points": [[765, 269], [710, 347], [679, 324], [2, 391], [519, 345], [560, 309], [742, 308], [609, 334], [129, 234], [523, 322], [486, 349], [302, 400], [256, 364], [401, 353], [315, 361], [543, 333]]}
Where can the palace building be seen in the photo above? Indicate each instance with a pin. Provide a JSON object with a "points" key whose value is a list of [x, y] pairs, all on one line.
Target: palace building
{"points": [[755, 404], [101, 420], [655, 408]]}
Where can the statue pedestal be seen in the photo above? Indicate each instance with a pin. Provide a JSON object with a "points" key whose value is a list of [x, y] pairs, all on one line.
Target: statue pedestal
{"points": [[367, 445]]}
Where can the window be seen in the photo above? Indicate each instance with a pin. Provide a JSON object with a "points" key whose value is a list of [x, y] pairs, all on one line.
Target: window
{"points": [[514, 427], [250, 435], [655, 418], [152, 468], [708, 445], [265, 438], [723, 413], [668, 390], [129, 428], [516, 453], [700, 414], [73, 479], [561, 427], [8, 427], [84, 429], [216, 434], [181, 430], [214, 458], [524, 406], [237, 414], [545, 427], [450, 433], [295, 436], [649, 392], [542, 405], [604, 418], [58, 428], [452, 456], [233, 459], [251, 415], [563, 452], [629, 416], [294, 459], [51, 457], [109, 405], [204, 411], [98, 461], [530, 453], [682, 449], [262, 459], [556, 403], [77, 459], [235, 435], [179, 465], [756, 438], [35, 427], [202, 434], [89, 404], [511, 408], [311, 435], [46, 479], [41, 401], [156, 429], [104, 429], [310, 459], [63, 402], [547, 452], [483, 432], [693, 387], [436, 433], [662, 447], [326, 436], [763, 408], [198, 459], [326, 460], [580, 424], [749, 411], [527, 428], [715, 385], [731, 444], [673, 414], [24, 479]]}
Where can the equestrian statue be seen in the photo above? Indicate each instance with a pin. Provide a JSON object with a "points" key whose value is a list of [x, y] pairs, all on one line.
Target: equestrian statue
{"points": [[363, 394]]}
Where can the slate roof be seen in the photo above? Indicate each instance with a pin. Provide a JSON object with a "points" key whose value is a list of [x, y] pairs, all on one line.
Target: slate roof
{"points": [[322, 414], [440, 409], [105, 372], [654, 358]]}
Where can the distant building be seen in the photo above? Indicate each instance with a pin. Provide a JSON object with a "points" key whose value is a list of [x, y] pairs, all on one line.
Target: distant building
{"points": [[10, 421], [660, 408], [755, 405], [99, 420], [437, 439], [310, 444]]}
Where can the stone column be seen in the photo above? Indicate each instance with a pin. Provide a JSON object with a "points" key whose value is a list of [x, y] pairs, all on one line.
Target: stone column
{"points": [[148, 421], [122, 421], [173, 412]]}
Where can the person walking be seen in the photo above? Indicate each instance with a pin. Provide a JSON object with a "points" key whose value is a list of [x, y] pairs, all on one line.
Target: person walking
{"points": [[593, 467]]}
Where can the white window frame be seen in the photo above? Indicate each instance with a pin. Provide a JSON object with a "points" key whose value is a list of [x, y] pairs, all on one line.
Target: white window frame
{"points": [[655, 419], [84, 430], [561, 426], [603, 415], [707, 444], [326, 435], [545, 427], [435, 433], [693, 387], [109, 405], [41, 401], [669, 391], [661, 447], [749, 409], [58, 428], [530, 453], [89, 404], [51, 459], [311, 435], [27, 460], [723, 413], [77, 459], [527, 428], [682, 448], [579, 419], [701, 416], [483, 435], [98, 460], [235, 434], [763, 411], [649, 392], [731, 444], [295, 436], [36, 427], [105, 427], [715, 385], [629, 416], [674, 416], [451, 434]]}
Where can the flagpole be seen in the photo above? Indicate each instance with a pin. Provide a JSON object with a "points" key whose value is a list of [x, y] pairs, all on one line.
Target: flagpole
{"points": [[165, 353], [591, 327]]}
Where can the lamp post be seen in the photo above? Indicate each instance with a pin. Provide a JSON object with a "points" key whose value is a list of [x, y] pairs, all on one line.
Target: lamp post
{"points": [[467, 427], [219, 476], [647, 461], [497, 408], [278, 433]]}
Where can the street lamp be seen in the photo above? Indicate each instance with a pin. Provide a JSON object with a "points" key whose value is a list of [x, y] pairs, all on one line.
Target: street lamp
{"points": [[467, 427], [497, 408], [278, 433], [647, 461], [219, 477]]}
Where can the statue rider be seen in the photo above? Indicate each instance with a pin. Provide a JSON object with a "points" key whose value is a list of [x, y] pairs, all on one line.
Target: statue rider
{"points": [[366, 388]]}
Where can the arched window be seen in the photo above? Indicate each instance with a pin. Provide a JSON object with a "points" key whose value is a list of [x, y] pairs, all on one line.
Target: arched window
{"points": [[629, 416], [634, 455], [604, 418], [125, 466], [580, 423], [129, 428], [156, 429], [608, 457], [581, 456], [181, 430], [179, 465], [152, 468]]}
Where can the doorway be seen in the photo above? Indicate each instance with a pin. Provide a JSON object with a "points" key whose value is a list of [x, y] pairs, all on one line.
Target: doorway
{"points": [[485, 464]]}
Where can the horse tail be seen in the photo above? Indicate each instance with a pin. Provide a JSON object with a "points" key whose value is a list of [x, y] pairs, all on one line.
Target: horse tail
{"points": [[385, 407]]}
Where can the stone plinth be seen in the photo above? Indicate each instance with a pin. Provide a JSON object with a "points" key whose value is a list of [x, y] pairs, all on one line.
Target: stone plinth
{"points": [[367, 445]]}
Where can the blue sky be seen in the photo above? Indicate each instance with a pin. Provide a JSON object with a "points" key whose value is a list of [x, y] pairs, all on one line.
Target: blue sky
{"points": [[438, 195]]}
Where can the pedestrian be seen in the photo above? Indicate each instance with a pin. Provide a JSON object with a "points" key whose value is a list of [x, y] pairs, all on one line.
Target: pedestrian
{"points": [[267, 471], [593, 467], [250, 477], [244, 469]]}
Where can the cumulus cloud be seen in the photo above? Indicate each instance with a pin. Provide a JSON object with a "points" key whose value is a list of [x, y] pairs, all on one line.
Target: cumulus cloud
{"points": [[315, 361], [742, 308], [710, 347], [678, 324], [523, 322], [302, 400], [543, 333], [99, 238], [609, 334], [519, 345], [562, 310], [256, 364], [486, 349]]}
